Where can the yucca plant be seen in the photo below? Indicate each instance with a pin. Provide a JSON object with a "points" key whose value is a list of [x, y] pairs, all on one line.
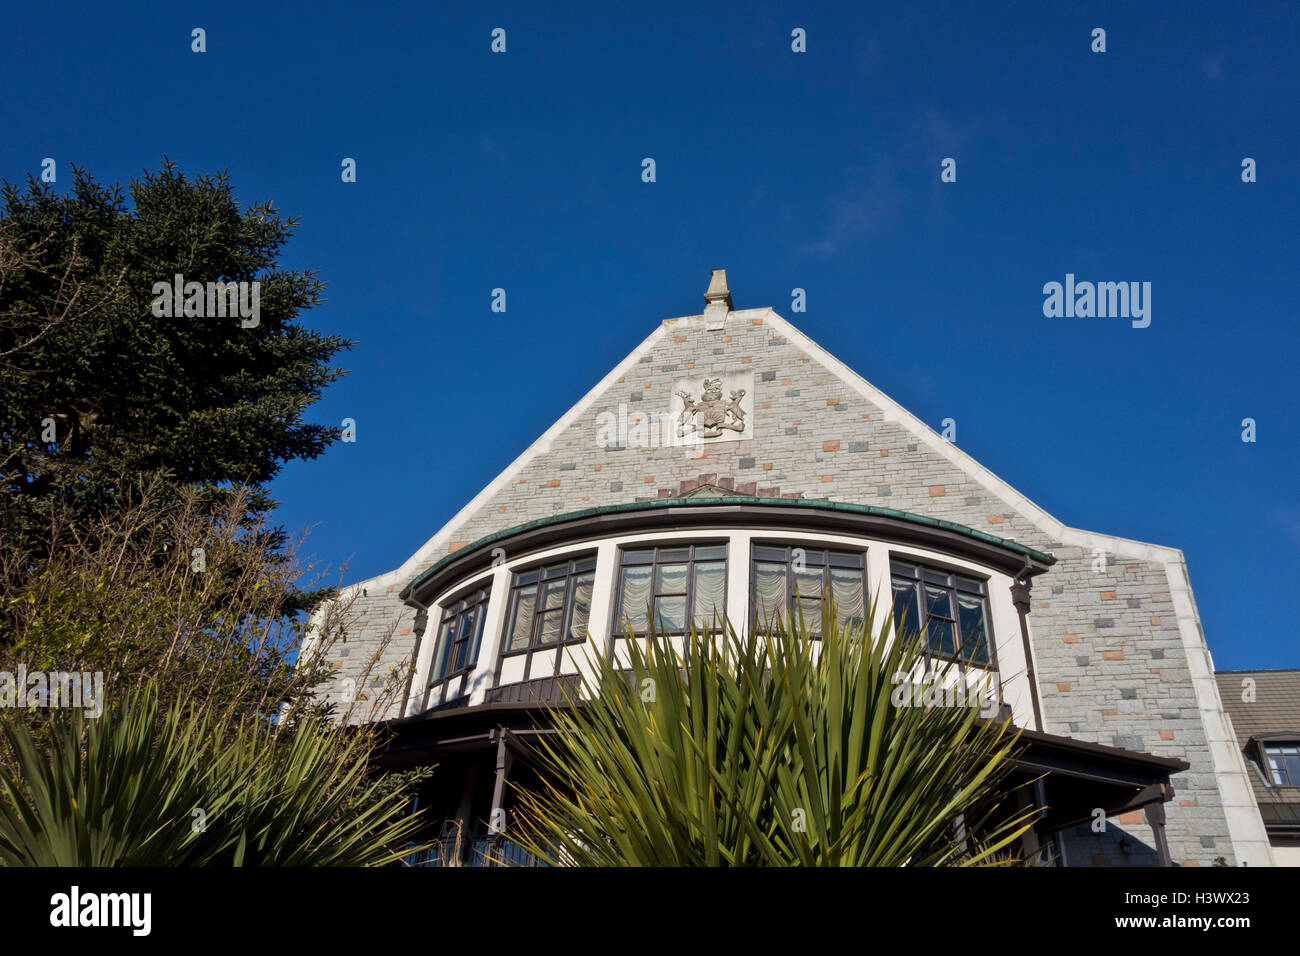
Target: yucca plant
{"points": [[133, 788], [770, 749]]}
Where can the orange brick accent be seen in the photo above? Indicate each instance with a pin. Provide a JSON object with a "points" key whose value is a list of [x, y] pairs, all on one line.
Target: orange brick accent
{"points": [[796, 422], [746, 360], [830, 446], [679, 338], [1108, 595], [1155, 621], [767, 404], [567, 443], [689, 365], [1112, 655], [552, 484], [620, 378], [726, 338], [865, 415], [1166, 735], [996, 519], [758, 321], [768, 466], [1133, 816], [1132, 565], [405, 631], [828, 477], [787, 381], [649, 479], [832, 401], [1110, 713], [501, 510], [1191, 862], [456, 545], [800, 357], [1045, 604], [1063, 687], [596, 467], [936, 491], [1187, 803], [1069, 639], [884, 453]]}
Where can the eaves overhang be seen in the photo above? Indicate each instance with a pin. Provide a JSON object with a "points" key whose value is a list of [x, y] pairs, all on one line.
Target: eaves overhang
{"points": [[739, 511]]}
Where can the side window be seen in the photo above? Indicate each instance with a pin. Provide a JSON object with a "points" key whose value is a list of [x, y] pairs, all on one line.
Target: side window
{"points": [[676, 586], [549, 608], [950, 609], [788, 580], [459, 638], [1283, 763]]}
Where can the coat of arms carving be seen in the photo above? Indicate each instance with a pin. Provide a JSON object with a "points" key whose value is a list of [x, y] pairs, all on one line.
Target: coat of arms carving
{"points": [[711, 416]]}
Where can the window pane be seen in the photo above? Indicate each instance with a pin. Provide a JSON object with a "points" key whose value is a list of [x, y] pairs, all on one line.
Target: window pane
{"points": [[1275, 766], [848, 590], [521, 618], [550, 627], [464, 631], [671, 555], [710, 588], [769, 591], [670, 613], [552, 596], [480, 620], [671, 579], [812, 614], [636, 596], [713, 552], [808, 584], [580, 612], [1293, 769], [838, 559], [902, 569], [941, 637], [447, 630], [906, 616], [769, 554], [639, 557], [938, 602], [974, 635]]}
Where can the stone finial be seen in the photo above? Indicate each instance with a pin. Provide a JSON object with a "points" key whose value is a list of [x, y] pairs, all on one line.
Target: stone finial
{"points": [[718, 297], [718, 291]]}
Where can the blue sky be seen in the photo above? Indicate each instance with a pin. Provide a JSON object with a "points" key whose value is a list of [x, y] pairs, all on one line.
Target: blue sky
{"points": [[817, 170]]}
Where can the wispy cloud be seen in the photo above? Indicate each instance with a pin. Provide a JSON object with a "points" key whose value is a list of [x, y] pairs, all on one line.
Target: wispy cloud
{"points": [[1288, 519], [873, 192], [865, 206]]}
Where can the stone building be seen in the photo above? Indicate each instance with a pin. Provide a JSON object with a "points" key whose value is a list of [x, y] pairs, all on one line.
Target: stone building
{"points": [[1264, 709], [688, 478]]}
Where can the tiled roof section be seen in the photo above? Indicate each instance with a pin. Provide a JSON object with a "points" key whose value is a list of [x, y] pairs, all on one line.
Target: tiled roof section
{"points": [[1275, 709]]}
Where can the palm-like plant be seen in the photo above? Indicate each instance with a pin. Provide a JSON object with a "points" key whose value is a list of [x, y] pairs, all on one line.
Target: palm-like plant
{"points": [[772, 749], [136, 788]]}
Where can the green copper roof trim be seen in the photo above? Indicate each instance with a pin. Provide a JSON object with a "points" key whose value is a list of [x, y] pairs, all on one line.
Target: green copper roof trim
{"points": [[685, 502]]}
